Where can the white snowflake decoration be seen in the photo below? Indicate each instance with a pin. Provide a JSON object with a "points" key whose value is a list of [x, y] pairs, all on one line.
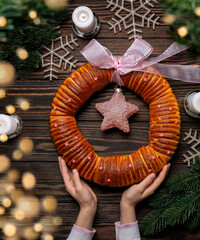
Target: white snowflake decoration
{"points": [[192, 138], [58, 56], [132, 14]]}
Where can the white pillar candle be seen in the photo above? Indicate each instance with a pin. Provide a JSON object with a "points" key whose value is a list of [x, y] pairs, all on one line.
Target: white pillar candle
{"points": [[83, 18], [8, 124], [194, 103]]}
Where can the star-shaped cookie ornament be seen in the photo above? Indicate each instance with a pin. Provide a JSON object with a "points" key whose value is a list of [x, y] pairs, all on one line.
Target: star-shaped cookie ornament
{"points": [[116, 112]]}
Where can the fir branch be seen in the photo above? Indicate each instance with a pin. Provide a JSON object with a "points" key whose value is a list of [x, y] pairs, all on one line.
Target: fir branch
{"points": [[173, 213], [178, 202], [193, 222], [182, 209], [184, 12], [177, 186], [186, 181], [20, 31], [162, 199], [153, 223]]}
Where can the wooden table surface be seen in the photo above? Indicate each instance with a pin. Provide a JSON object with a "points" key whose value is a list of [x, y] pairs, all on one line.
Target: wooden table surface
{"points": [[43, 160]]}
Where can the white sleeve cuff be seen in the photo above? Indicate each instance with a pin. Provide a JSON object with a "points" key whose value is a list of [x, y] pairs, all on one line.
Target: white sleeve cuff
{"points": [[128, 231], [78, 233]]}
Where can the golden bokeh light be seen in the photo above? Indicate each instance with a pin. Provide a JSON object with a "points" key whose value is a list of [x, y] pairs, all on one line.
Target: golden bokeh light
{"points": [[17, 154], [57, 221], [22, 53], [10, 109], [30, 205], [3, 21], [13, 175], [2, 93], [37, 21], [16, 195], [24, 105], [4, 163], [19, 214], [9, 229], [32, 14], [169, 19], [197, 11], [49, 203], [6, 202], [56, 4], [7, 73], [26, 145], [182, 31], [3, 137], [28, 180], [10, 188], [38, 227], [30, 234], [2, 210], [47, 236]]}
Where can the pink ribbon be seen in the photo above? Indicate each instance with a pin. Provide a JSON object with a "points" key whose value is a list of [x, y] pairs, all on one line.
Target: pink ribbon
{"points": [[137, 58]]}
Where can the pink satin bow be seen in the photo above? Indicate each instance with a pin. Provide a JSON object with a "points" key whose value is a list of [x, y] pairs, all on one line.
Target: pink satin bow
{"points": [[136, 59]]}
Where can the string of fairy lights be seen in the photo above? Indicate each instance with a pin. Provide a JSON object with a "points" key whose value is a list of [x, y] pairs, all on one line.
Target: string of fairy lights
{"points": [[22, 214]]}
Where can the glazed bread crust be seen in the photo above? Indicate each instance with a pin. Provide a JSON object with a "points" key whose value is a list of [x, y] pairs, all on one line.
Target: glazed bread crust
{"points": [[115, 171]]}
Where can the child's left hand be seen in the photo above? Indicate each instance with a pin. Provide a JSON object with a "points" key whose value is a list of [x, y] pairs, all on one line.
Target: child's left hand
{"points": [[138, 192]]}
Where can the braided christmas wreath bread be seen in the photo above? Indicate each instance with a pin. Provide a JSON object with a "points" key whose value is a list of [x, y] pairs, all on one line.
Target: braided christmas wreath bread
{"points": [[115, 171]]}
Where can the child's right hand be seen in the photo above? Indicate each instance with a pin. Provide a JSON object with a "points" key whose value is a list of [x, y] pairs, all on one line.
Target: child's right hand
{"points": [[138, 192], [82, 193], [77, 188]]}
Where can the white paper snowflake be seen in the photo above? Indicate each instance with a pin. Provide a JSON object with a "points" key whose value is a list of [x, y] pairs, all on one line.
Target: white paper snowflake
{"points": [[57, 55], [132, 14], [192, 139]]}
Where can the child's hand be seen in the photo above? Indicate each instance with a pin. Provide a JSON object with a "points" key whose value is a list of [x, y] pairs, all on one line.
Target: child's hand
{"points": [[138, 192], [82, 193]]}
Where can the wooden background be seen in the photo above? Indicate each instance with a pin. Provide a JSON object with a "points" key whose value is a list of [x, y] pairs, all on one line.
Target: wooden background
{"points": [[43, 160]]}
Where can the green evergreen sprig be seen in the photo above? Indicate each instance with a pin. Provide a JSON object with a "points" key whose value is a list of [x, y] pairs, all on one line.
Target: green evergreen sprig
{"points": [[21, 31], [184, 16], [178, 202]]}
